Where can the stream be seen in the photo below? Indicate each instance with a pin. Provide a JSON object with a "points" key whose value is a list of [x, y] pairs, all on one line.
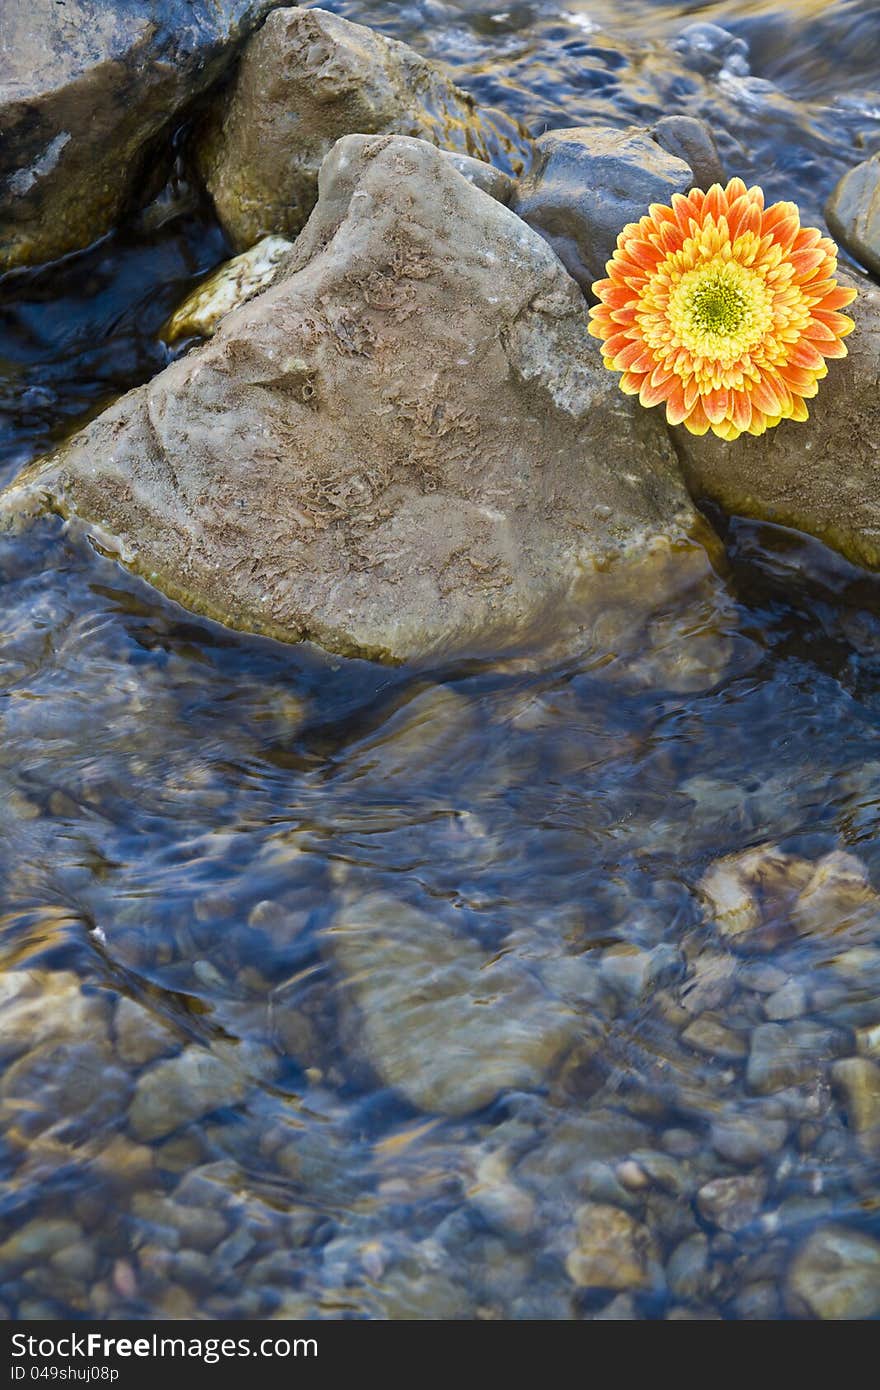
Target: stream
{"points": [[190, 816]]}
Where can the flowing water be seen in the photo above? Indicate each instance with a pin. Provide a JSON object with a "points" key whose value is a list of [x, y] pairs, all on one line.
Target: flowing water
{"points": [[273, 924]]}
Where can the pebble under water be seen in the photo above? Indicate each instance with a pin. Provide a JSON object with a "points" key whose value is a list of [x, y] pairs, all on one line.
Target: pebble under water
{"points": [[331, 990]]}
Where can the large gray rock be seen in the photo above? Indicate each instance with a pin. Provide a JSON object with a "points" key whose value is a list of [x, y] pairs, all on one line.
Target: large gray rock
{"points": [[822, 476], [309, 78], [406, 445], [86, 87], [853, 213], [443, 1022], [587, 182]]}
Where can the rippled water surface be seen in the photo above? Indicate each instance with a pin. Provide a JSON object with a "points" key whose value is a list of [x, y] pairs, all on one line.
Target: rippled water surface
{"points": [[334, 990]]}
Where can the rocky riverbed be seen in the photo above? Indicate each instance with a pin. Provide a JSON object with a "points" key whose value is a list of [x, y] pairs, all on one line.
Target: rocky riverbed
{"points": [[533, 970]]}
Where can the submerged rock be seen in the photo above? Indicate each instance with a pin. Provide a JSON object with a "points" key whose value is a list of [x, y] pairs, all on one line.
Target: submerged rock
{"points": [[836, 1275], [36, 1241], [853, 213], [41, 1006], [185, 1088], [839, 902], [326, 465], [443, 1022], [748, 896], [858, 1081], [820, 476], [308, 78], [731, 1203], [586, 183], [69, 1087], [86, 87], [791, 1054], [611, 1251]]}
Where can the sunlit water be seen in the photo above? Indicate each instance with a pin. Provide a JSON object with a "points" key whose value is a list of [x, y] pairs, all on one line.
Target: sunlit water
{"points": [[193, 1116]]}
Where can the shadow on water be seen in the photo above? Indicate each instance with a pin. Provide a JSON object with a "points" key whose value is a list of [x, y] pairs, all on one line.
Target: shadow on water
{"points": [[219, 1037]]}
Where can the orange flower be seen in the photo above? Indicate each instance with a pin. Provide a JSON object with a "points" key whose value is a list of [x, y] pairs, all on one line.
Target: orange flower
{"points": [[723, 309]]}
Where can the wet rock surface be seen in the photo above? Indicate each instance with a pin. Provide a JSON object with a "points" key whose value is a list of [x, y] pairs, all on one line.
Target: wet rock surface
{"points": [[690, 139], [86, 90], [183, 1089], [586, 184], [308, 79], [610, 1252], [853, 213], [836, 1275], [233, 284], [325, 466], [448, 1027]]}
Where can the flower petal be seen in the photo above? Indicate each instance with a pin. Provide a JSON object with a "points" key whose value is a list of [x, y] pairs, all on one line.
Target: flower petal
{"points": [[839, 324], [838, 297], [741, 410], [716, 405], [697, 421], [649, 394], [675, 406]]}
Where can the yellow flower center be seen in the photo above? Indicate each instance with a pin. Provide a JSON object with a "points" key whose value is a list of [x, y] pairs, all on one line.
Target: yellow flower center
{"points": [[717, 305], [720, 310]]}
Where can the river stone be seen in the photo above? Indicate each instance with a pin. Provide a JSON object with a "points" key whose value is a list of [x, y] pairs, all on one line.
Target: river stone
{"points": [[839, 902], [586, 183], [731, 1203], [141, 1036], [35, 1242], [836, 1275], [853, 213], [72, 1086], [326, 465], [709, 1035], [746, 1139], [858, 1080], [185, 1088], [611, 1249], [37, 1006], [233, 284], [691, 140], [688, 1267], [821, 476], [748, 895], [440, 1020], [308, 78], [789, 1054], [87, 89]]}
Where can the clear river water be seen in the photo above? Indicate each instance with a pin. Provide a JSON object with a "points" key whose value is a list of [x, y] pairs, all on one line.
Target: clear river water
{"points": [[193, 1120]]}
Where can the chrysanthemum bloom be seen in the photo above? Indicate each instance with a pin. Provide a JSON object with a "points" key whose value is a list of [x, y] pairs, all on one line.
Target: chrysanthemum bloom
{"points": [[723, 309]]}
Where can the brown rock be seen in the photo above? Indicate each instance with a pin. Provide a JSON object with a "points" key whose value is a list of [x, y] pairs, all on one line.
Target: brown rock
{"points": [[611, 1250], [853, 212], [326, 466], [307, 79]]}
